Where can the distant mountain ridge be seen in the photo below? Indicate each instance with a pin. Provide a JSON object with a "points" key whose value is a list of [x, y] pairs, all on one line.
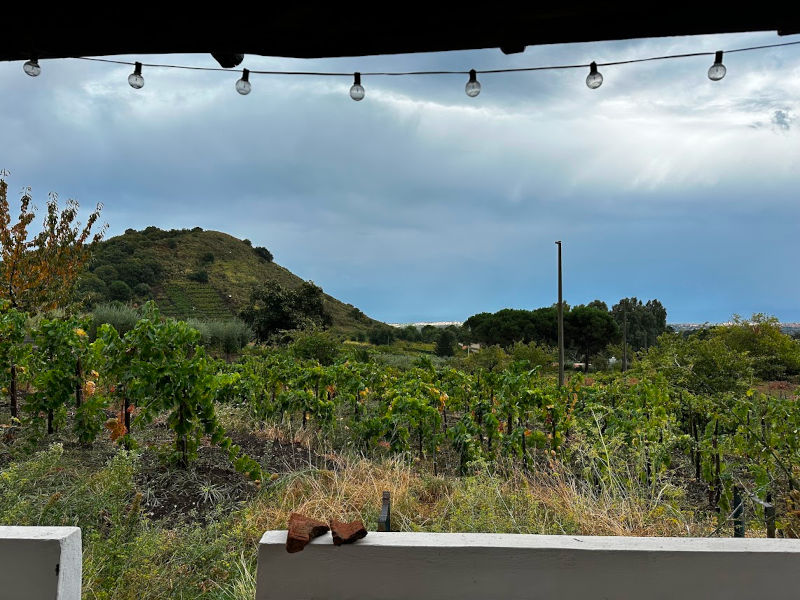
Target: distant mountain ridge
{"points": [[192, 273]]}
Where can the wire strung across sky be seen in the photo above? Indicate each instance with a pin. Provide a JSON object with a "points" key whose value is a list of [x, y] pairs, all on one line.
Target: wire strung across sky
{"points": [[593, 80], [463, 72]]}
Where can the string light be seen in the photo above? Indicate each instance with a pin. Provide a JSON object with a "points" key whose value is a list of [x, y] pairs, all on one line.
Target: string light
{"points": [[717, 70], [243, 85], [473, 87], [135, 79], [32, 68], [357, 90], [594, 79]]}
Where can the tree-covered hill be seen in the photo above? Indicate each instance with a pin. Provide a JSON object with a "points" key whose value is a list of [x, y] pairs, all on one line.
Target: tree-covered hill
{"points": [[192, 273]]}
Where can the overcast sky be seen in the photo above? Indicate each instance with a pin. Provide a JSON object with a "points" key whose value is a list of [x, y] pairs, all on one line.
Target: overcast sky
{"points": [[420, 203]]}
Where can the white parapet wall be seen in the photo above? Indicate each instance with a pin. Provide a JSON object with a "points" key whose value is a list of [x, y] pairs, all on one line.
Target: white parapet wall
{"points": [[485, 566], [40, 563]]}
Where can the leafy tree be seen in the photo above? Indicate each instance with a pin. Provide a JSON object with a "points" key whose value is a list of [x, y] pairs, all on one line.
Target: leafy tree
{"points": [[775, 355], [429, 333], [90, 283], [512, 325], [381, 334], [701, 366], [535, 354], [409, 333], [316, 345], [119, 290], [445, 343], [58, 345], [12, 350], [39, 272], [107, 273], [645, 322], [161, 366], [142, 290], [263, 253], [492, 359], [274, 308], [589, 329]]}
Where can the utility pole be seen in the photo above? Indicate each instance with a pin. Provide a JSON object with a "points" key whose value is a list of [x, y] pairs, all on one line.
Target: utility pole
{"points": [[624, 339], [560, 322]]}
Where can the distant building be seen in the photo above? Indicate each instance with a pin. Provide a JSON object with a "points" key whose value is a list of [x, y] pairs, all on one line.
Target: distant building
{"points": [[470, 347]]}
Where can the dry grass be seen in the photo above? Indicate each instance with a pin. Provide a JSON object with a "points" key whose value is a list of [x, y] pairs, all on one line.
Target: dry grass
{"points": [[352, 490], [546, 501]]}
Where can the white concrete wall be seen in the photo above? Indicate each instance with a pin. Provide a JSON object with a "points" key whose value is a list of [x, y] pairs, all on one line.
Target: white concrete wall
{"points": [[421, 566], [40, 563]]}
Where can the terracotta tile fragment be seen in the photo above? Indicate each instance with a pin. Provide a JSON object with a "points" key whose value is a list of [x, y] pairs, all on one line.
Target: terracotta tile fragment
{"points": [[302, 530], [347, 533]]}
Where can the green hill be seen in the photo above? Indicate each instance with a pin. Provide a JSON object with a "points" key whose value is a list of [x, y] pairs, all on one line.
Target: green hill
{"points": [[192, 273]]}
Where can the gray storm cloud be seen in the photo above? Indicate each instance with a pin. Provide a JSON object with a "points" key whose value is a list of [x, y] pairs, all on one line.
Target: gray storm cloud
{"points": [[421, 203]]}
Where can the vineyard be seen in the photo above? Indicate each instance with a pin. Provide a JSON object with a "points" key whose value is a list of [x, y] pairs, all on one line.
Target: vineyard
{"points": [[487, 441]]}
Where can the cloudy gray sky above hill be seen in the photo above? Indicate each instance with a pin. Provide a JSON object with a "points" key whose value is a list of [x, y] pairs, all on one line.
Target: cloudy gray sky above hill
{"points": [[420, 203]]}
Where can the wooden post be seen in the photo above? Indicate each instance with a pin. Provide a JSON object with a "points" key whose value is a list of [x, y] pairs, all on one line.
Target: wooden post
{"points": [[127, 414], [624, 340], [385, 519], [769, 516], [560, 322], [738, 513], [78, 383], [12, 390]]}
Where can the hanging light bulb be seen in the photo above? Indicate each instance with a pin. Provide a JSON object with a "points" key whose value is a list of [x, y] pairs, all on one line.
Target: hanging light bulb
{"points": [[594, 79], [473, 87], [717, 70], [357, 91], [135, 79], [243, 85], [32, 67]]}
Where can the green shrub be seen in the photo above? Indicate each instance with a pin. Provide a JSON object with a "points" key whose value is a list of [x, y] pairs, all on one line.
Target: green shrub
{"points": [[228, 336], [107, 273], [90, 283], [445, 343], [119, 290], [142, 290], [262, 252], [119, 316], [200, 276], [380, 335], [316, 345]]}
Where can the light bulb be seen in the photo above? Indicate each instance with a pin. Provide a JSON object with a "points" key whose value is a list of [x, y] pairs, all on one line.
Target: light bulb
{"points": [[473, 87], [135, 79], [357, 91], [594, 79], [243, 85], [32, 68], [717, 70]]}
